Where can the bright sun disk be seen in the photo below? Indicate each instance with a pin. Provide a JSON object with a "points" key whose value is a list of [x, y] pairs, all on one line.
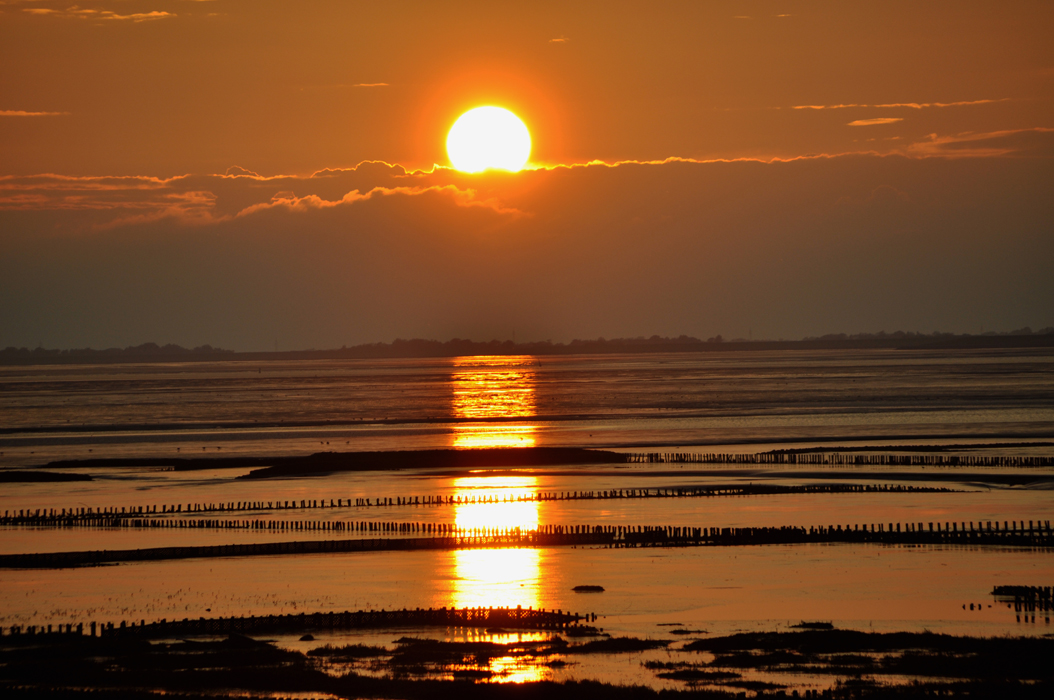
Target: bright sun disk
{"points": [[488, 138]]}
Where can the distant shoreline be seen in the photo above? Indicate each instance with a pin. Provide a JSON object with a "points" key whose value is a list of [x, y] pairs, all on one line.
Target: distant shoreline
{"points": [[422, 349]]}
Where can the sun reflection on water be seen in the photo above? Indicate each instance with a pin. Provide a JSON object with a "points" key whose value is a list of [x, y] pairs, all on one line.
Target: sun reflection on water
{"points": [[492, 389], [491, 395], [513, 669], [505, 506], [496, 577]]}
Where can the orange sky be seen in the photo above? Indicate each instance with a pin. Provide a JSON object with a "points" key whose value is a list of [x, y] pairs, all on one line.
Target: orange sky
{"points": [[293, 87], [170, 95]]}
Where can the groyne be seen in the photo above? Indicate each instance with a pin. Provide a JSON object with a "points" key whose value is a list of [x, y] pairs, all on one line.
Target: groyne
{"points": [[511, 618], [137, 515], [838, 459], [1027, 600], [1037, 534]]}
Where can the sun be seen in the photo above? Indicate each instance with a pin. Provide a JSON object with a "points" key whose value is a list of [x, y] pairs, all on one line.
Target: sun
{"points": [[488, 138]]}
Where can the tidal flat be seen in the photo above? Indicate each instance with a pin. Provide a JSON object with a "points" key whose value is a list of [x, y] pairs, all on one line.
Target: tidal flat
{"points": [[943, 459]]}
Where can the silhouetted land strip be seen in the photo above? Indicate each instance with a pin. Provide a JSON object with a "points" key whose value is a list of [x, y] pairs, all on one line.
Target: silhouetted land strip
{"points": [[511, 618], [151, 352], [150, 517], [329, 462], [76, 666], [24, 476], [1038, 534], [323, 463]]}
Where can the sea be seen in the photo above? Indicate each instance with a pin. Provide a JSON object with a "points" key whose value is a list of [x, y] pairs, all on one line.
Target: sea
{"points": [[99, 419]]}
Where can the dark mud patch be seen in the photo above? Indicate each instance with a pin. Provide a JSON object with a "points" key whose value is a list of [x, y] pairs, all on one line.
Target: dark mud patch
{"points": [[349, 651], [584, 631], [803, 625], [70, 666], [897, 653]]}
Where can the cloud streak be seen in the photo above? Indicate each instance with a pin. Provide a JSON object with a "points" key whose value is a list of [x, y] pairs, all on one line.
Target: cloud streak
{"points": [[902, 105], [108, 15], [103, 203], [1038, 142], [23, 113], [876, 121], [107, 202]]}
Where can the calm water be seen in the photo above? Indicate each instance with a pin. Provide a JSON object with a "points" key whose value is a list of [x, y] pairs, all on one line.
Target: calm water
{"points": [[621, 400], [738, 402]]}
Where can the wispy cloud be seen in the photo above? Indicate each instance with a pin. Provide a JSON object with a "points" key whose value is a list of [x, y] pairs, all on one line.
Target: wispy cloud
{"points": [[23, 113], [1012, 142], [559, 40], [91, 13], [343, 86], [461, 197], [876, 121], [902, 105]]}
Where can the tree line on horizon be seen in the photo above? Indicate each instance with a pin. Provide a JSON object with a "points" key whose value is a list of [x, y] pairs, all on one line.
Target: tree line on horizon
{"points": [[419, 347]]}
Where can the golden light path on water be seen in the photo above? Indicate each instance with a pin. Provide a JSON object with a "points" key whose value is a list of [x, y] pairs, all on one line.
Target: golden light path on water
{"points": [[493, 388], [498, 577], [490, 394]]}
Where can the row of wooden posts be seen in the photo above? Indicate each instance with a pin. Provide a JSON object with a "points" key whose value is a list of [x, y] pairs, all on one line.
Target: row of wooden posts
{"points": [[1037, 534], [1027, 599], [109, 514], [396, 528], [840, 459], [512, 618]]}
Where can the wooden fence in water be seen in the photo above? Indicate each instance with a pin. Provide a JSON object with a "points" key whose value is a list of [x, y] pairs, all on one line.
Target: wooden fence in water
{"points": [[1037, 534], [207, 515], [836, 459]]}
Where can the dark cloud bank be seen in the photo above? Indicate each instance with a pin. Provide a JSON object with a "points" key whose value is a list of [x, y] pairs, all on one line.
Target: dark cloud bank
{"points": [[780, 249]]}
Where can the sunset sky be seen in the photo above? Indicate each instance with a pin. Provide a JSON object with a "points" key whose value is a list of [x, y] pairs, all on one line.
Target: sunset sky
{"points": [[247, 173]]}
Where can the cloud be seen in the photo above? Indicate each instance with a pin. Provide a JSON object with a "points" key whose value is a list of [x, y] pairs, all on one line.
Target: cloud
{"points": [[559, 40], [343, 86], [236, 170], [22, 113], [109, 202], [108, 15], [1037, 142], [906, 105], [461, 197], [876, 121]]}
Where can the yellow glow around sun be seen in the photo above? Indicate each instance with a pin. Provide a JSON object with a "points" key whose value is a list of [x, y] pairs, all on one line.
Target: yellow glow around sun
{"points": [[488, 138]]}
